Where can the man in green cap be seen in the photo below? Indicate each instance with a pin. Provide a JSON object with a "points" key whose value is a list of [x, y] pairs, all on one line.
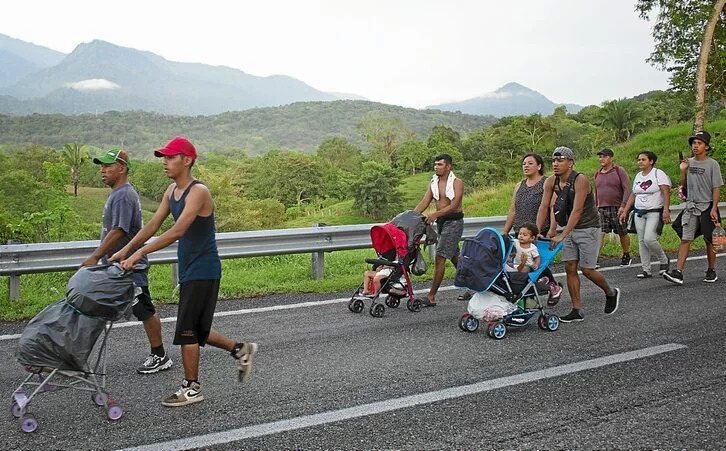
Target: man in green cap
{"points": [[121, 222]]}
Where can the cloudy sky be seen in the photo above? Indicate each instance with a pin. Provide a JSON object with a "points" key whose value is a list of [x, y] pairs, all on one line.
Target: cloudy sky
{"points": [[406, 52]]}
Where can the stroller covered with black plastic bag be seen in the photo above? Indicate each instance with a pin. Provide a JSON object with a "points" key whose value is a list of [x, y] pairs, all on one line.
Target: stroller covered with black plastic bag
{"points": [[398, 244], [57, 344], [502, 298]]}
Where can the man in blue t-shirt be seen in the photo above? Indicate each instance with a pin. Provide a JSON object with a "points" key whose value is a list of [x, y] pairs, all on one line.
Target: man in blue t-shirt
{"points": [[121, 222]]}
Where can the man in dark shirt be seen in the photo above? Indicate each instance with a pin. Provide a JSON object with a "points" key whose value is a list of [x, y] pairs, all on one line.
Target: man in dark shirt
{"points": [[200, 269], [121, 222]]}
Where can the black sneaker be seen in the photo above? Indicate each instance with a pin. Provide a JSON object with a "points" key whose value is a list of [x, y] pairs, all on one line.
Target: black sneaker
{"points": [[674, 275], [664, 267], [626, 260], [154, 364], [574, 315], [710, 276], [644, 275], [597, 265], [612, 301]]}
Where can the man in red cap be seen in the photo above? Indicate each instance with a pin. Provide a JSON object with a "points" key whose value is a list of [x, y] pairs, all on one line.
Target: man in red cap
{"points": [[200, 269]]}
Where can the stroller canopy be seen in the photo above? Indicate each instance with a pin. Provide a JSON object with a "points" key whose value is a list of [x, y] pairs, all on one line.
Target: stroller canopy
{"points": [[481, 260], [389, 241], [414, 226]]}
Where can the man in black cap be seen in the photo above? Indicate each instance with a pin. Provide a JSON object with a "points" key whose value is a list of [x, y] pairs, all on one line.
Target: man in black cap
{"points": [[702, 180], [612, 189]]}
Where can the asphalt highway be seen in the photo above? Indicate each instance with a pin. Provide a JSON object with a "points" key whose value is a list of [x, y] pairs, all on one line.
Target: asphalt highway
{"points": [[652, 375]]}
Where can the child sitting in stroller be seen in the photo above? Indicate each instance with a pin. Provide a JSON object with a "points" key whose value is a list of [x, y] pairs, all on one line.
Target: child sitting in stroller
{"points": [[525, 257], [373, 278]]}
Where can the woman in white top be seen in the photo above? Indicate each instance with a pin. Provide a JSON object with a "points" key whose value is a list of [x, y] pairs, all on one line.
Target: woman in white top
{"points": [[651, 198]]}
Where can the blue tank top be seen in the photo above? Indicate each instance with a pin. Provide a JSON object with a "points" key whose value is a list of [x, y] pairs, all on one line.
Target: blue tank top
{"points": [[197, 251]]}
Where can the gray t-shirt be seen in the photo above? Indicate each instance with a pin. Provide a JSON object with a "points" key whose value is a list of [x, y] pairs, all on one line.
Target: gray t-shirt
{"points": [[703, 177], [123, 211]]}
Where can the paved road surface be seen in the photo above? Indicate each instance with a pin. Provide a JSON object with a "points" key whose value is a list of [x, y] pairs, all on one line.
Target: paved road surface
{"points": [[653, 375]]}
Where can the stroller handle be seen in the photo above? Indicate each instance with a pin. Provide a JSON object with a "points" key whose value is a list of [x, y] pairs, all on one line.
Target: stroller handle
{"points": [[380, 261]]}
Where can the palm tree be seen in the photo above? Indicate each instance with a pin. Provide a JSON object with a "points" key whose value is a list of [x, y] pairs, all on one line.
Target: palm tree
{"points": [[75, 155], [623, 117]]}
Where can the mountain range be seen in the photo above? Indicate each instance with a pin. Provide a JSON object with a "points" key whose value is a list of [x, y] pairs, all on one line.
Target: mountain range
{"points": [[99, 76], [511, 99]]}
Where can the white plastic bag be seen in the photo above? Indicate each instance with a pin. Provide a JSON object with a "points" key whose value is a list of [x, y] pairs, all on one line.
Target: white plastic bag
{"points": [[488, 306]]}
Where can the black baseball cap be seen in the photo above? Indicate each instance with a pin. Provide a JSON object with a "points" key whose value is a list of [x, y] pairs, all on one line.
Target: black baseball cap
{"points": [[607, 152], [702, 136]]}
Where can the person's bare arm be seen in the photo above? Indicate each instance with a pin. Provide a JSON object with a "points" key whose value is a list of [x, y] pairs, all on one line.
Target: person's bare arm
{"points": [[109, 242], [623, 212], [512, 210], [425, 200], [196, 202], [714, 208], [666, 190], [545, 207], [148, 230], [625, 186]]}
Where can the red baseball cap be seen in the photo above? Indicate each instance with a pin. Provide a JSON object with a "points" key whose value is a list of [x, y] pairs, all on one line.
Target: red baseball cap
{"points": [[178, 146]]}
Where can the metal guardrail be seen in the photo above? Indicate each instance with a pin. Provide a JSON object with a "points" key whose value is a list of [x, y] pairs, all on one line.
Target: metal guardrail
{"points": [[19, 259]]}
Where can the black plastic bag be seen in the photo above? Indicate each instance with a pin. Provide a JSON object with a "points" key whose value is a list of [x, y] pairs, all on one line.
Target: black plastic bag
{"points": [[419, 267]]}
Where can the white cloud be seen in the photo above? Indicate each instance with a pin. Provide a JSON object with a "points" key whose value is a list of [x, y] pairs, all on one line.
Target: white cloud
{"points": [[93, 84]]}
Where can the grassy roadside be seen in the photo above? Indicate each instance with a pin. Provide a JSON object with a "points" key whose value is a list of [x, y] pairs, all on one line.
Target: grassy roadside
{"points": [[291, 273]]}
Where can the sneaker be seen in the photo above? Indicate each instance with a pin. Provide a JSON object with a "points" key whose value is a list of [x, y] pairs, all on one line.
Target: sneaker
{"points": [[184, 396], [465, 296], [664, 267], [710, 276], [555, 290], [154, 364], [644, 275], [597, 265], [612, 301], [574, 315], [626, 260], [245, 358], [674, 275]]}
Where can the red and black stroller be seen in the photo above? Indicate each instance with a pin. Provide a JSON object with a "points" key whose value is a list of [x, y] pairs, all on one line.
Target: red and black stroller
{"points": [[57, 345], [398, 246]]}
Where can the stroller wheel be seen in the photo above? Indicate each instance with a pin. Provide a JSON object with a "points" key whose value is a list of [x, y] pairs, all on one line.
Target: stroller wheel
{"points": [[16, 410], [497, 330], [99, 398], [468, 323], [551, 322], [114, 412], [29, 423], [356, 305], [392, 301], [377, 310], [414, 305]]}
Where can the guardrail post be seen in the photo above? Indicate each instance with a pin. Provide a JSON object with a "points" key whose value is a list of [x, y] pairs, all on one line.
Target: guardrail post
{"points": [[174, 274], [14, 282], [318, 260]]}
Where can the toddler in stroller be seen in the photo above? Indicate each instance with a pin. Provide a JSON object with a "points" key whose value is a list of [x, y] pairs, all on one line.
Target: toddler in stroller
{"points": [[56, 344], [398, 246], [503, 298]]}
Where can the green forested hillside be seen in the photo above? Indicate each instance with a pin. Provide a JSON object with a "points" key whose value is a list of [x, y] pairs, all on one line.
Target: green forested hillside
{"points": [[299, 126]]}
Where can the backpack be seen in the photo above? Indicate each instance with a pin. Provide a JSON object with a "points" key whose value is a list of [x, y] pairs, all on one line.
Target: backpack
{"points": [[563, 203]]}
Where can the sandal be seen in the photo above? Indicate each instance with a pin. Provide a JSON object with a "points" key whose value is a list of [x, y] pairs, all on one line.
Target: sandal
{"points": [[465, 296], [425, 302]]}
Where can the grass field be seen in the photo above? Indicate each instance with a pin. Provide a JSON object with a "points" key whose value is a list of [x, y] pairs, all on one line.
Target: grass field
{"points": [[291, 273]]}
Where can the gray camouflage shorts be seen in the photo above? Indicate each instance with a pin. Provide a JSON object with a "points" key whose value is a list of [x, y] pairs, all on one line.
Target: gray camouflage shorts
{"points": [[449, 237]]}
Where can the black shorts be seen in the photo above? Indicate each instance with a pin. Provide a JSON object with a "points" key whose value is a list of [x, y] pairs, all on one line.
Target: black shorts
{"points": [[143, 308], [197, 301]]}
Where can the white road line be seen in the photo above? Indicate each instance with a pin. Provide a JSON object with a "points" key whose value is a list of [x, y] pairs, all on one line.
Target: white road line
{"points": [[217, 438], [172, 319]]}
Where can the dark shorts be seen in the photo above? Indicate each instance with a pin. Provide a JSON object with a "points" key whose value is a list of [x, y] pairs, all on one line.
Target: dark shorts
{"points": [[609, 221], [197, 301], [697, 226], [449, 237], [143, 308]]}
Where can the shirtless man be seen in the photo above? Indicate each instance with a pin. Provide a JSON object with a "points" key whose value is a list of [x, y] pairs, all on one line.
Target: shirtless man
{"points": [[447, 190]]}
